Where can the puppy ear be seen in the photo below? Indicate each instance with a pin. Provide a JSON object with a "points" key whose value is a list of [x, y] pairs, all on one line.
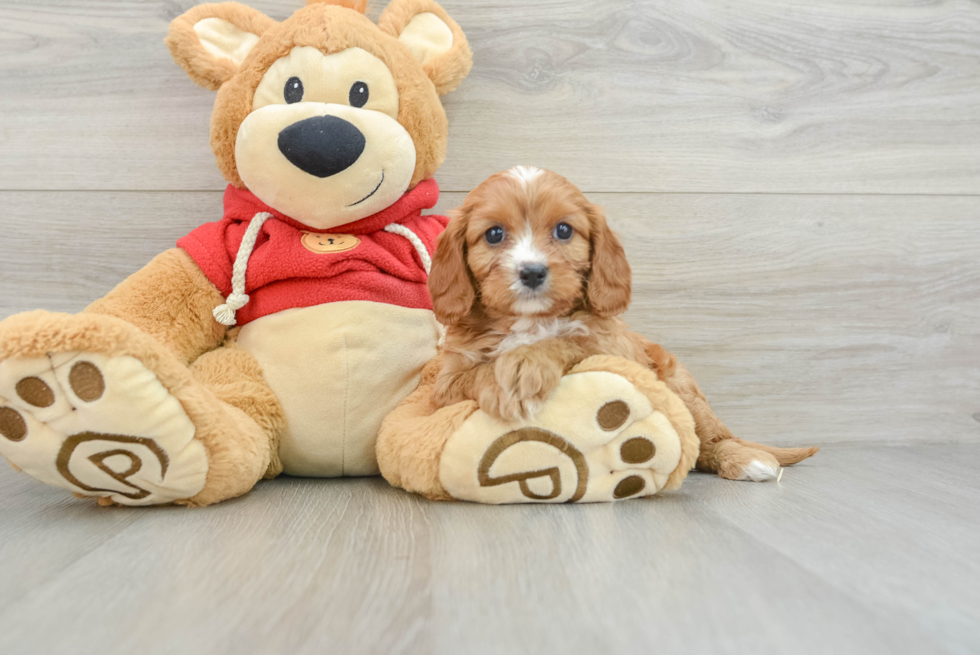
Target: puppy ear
{"points": [[211, 41], [449, 282], [433, 37], [610, 281]]}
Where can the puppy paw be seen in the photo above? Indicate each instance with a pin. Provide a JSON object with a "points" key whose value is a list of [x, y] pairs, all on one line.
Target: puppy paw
{"points": [[760, 470], [527, 377], [502, 404]]}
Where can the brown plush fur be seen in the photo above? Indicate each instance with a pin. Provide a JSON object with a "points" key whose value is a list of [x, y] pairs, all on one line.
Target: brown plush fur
{"points": [[413, 436], [447, 70], [360, 6], [200, 65], [235, 378], [477, 294], [330, 27], [171, 300]]}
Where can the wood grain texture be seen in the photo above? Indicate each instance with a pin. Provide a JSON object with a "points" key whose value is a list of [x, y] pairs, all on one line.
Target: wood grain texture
{"points": [[719, 137], [621, 95], [868, 550], [807, 319]]}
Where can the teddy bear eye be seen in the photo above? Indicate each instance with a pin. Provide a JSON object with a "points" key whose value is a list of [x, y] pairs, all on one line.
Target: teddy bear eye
{"points": [[293, 91], [563, 231], [358, 95], [494, 235]]}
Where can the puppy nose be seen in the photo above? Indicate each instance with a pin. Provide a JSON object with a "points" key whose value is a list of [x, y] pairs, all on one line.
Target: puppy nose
{"points": [[322, 145], [533, 275]]}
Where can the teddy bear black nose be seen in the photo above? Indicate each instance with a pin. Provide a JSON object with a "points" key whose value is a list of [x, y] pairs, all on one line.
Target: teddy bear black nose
{"points": [[322, 145]]}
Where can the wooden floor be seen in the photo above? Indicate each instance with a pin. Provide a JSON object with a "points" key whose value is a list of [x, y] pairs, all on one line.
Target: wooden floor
{"points": [[798, 187], [868, 549]]}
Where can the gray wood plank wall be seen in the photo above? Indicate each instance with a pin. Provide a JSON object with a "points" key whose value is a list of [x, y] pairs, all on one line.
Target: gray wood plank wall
{"points": [[798, 184]]}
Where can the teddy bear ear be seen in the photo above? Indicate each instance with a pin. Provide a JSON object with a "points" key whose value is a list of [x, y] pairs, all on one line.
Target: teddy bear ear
{"points": [[211, 41], [433, 37]]}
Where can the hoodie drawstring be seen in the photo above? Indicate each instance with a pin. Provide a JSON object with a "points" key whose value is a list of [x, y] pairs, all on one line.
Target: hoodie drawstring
{"points": [[401, 230], [225, 314]]}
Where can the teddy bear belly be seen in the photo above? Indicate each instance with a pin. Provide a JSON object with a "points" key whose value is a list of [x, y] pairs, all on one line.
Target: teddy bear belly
{"points": [[338, 369]]}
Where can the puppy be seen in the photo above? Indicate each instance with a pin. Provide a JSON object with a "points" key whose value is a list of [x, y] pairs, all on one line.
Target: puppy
{"points": [[529, 280]]}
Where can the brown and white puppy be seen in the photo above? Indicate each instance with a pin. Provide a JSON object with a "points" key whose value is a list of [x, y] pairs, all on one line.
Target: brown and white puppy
{"points": [[530, 280]]}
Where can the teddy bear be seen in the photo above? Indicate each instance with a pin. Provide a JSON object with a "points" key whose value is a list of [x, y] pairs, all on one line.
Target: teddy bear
{"points": [[296, 334], [277, 338]]}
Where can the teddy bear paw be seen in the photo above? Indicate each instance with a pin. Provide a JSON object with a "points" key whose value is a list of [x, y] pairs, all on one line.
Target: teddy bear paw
{"points": [[99, 426], [597, 438]]}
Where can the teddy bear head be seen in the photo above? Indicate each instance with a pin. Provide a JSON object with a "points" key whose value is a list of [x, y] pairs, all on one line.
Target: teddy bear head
{"points": [[325, 116]]}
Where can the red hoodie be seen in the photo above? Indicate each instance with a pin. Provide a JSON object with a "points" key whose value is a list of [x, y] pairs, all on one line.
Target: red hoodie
{"points": [[292, 266]]}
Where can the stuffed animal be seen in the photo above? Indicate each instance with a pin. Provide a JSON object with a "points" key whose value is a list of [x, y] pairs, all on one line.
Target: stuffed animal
{"points": [[610, 431], [277, 338]]}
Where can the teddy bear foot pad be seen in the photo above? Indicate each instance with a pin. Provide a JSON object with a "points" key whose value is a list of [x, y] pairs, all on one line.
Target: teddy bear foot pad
{"points": [[99, 426], [597, 438]]}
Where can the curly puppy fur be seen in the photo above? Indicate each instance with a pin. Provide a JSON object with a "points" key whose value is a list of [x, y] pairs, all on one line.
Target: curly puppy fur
{"points": [[523, 310]]}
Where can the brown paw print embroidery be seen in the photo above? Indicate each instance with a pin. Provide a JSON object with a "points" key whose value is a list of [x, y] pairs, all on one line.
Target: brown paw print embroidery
{"points": [[119, 463], [501, 445], [611, 417], [101, 426]]}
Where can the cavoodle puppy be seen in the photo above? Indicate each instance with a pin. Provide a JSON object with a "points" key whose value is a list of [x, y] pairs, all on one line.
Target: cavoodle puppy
{"points": [[529, 280]]}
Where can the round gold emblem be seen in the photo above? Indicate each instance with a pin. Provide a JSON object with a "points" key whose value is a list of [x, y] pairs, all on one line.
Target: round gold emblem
{"points": [[327, 243]]}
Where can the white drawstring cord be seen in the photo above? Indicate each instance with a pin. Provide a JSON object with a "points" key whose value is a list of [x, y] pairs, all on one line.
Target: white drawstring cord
{"points": [[401, 230], [225, 314]]}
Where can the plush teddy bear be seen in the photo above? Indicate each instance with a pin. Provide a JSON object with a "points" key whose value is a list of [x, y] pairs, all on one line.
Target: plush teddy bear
{"points": [[277, 338], [611, 430]]}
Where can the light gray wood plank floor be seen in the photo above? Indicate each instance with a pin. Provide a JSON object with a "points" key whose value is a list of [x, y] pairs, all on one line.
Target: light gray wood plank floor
{"points": [[702, 95], [798, 187], [868, 549]]}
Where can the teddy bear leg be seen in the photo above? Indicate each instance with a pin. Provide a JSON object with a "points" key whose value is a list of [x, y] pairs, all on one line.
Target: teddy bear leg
{"points": [[413, 435], [234, 376], [92, 404], [610, 431]]}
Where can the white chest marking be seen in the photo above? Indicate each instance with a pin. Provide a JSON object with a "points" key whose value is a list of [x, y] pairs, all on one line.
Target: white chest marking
{"points": [[529, 330]]}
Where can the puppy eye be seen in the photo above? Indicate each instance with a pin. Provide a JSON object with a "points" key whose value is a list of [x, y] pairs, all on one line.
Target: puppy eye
{"points": [[293, 91], [358, 95], [494, 235], [563, 231]]}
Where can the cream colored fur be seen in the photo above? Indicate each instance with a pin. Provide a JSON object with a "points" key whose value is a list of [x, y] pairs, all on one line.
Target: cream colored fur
{"points": [[338, 369]]}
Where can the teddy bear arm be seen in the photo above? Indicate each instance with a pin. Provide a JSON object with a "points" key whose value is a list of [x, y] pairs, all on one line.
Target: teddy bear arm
{"points": [[171, 300]]}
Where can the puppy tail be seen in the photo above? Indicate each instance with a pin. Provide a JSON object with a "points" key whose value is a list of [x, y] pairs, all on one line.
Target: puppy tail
{"points": [[785, 456]]}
